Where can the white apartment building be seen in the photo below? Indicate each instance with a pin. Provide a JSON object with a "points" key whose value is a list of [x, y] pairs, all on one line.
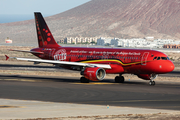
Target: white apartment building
{"points": [[117, 42], [78, 40], [135, 42], [103, 41]]}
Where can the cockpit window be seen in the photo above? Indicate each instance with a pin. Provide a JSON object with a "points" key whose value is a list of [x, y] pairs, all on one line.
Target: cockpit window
{"points": [[158, 58], [155, 58], [164, 58], [161, 58]]}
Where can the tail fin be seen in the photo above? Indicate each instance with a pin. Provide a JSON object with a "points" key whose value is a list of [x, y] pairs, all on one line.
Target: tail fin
{"points": [[45, 38]]}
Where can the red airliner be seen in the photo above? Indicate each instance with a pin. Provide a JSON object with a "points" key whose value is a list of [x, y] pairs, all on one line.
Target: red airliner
{"points": [[95, 63]]}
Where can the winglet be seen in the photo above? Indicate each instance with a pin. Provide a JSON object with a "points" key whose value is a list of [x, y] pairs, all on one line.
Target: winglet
{"points": [[7, 57]]}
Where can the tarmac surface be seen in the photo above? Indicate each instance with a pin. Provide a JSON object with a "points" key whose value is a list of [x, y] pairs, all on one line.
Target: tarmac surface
{"points": [[21, 109], [56, 96], [58, 69]]}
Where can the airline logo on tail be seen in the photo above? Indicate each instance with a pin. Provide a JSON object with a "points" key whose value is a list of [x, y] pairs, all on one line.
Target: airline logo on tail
{"points": [[45, 38]]}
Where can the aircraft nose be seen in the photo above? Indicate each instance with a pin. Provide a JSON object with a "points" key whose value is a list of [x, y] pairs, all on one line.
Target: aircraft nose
{"points": [[164, 67], [169, 67]]}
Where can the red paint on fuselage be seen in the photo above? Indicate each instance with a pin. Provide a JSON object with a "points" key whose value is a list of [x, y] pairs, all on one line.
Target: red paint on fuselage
{"points": [[133, 61]]}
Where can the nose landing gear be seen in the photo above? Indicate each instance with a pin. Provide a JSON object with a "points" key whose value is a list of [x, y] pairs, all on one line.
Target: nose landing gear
{"points": [[152, 83]]}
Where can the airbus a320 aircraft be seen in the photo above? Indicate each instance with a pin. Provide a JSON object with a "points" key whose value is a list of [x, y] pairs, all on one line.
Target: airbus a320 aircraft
{"points": [[95, 63]]}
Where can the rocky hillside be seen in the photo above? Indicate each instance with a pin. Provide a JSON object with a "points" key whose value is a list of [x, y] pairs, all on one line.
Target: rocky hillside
{"points": [[106, 18]]}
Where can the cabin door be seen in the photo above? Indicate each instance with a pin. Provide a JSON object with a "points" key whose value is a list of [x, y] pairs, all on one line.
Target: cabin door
{"points": [[144, 58], [51, 53]]}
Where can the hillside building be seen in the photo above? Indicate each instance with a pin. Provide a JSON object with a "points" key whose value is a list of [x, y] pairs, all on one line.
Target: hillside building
{"points": [[79, 40], [104, 41], [135, 42]]}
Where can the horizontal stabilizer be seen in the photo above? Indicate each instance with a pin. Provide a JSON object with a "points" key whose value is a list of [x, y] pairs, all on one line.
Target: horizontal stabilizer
{"points": [[27, 51]]}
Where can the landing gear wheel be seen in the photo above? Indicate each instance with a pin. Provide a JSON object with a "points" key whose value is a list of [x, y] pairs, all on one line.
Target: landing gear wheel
{"points": [[84, 80], [152, 83], [119, 79]]}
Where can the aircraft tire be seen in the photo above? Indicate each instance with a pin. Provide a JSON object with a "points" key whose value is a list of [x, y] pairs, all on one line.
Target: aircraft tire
{"points": [[119, 79], [84, 80], [152, 83]]}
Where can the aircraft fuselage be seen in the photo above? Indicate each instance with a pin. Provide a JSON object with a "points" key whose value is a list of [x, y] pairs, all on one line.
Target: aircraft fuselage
{"points": [[135, 61]]}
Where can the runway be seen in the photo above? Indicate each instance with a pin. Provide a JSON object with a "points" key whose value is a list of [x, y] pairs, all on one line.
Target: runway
{"points": [[134, 93], [58, 69]]}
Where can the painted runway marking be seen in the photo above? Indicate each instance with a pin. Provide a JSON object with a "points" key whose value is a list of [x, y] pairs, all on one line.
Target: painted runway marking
{"points": [[25, 80], [94, 83], [20, 80], [8, 106]]}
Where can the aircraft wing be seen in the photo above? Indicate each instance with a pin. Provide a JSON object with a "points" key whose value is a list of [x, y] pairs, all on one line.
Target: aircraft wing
{"points": [[105, 66], [26, 51]]}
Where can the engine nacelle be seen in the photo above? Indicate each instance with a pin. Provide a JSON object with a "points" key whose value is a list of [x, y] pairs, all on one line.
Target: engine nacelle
{"points": [[147, 76], [94, 73]]}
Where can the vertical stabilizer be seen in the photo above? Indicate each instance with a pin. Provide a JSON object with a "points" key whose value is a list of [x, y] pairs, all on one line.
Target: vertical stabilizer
{"points": [[45, 38]]}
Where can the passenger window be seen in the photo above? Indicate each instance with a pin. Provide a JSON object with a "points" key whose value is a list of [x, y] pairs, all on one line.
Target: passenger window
{"points": [[158, 58]]}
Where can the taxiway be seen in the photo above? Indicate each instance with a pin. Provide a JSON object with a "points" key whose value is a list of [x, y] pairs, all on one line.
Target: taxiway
{"points": [[134, 93]]}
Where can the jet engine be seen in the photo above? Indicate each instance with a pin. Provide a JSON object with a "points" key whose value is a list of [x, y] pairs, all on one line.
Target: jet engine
{"points": [[94, 73], [147, 76]]}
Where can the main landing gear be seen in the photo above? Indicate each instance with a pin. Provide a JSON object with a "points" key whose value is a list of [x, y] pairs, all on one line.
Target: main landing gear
{"points": [[119, 79], [152, 83], [84, 80]]}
